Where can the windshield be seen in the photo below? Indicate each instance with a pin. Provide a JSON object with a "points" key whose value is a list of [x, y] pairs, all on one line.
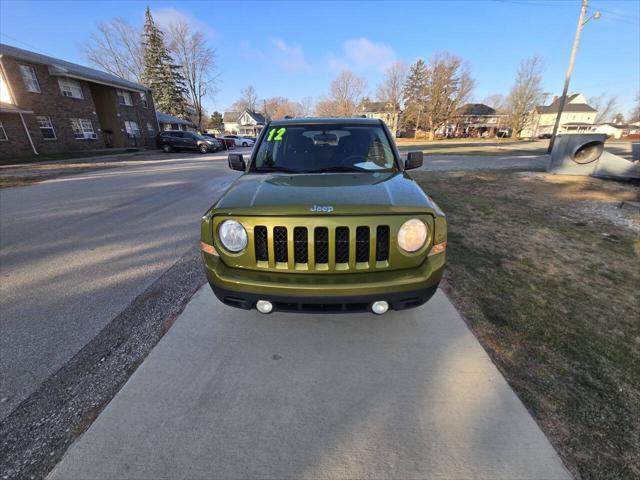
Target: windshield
{"points": [[324, 148]]}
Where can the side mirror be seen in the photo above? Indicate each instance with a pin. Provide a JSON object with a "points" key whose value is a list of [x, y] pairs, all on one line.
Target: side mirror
{"points": [[236, 162], [414, 160]]}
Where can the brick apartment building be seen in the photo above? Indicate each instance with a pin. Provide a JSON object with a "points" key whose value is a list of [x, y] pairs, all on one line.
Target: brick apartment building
{"points": [[50, 106]]}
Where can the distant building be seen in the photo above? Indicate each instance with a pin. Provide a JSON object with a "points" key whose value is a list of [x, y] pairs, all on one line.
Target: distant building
{"points": [[169, 122], [384, 111], [617, 130], [474, 120], [48, 105], [577, 117], [247, 122]]}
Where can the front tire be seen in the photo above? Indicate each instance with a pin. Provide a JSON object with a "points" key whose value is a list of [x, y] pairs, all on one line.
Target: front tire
{"points": [[244, 144], [204, 149], [166, 148]]}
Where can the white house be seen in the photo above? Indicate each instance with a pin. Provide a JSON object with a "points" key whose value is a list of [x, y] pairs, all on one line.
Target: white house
{"points": [[577, 117], [246, 122], [384, 111]]}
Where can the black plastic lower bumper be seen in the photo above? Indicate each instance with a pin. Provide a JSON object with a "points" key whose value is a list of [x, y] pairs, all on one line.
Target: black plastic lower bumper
{"points": [[397, 301]]}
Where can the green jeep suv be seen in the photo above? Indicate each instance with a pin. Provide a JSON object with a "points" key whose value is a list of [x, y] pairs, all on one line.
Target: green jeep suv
{"points": [[324, 218]]}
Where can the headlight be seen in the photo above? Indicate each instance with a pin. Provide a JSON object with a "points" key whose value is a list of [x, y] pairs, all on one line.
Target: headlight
{"points": [[209, 142], [232, 235], [412, 235]]}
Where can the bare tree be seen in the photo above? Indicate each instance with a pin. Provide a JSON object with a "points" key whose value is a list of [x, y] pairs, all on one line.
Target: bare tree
{"points": [[448, 87], [198, 63], [280, 107], [307, 106], [391, 89], [116, 47], [525, 93], [345, 93], [497, 101], [248, 99], [605, 107]]}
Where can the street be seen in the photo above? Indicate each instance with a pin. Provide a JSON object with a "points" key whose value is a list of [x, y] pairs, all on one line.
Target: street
{"points": [[78, 249]]}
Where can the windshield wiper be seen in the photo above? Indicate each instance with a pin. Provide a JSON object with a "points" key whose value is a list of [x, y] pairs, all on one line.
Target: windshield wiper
{"points": [[338, 168], [276, 169]]}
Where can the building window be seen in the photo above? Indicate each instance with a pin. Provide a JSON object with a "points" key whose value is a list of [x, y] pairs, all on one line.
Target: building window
{"points": [[46, 128], [29, 77], [3, 134], [70, 87], [124, 97], [133, 130], [143, 99], [83, 129], [150, 128]]}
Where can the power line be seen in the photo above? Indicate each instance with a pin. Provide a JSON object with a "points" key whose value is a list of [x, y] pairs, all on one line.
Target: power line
{"points": [[24, 43], [622, 18]]}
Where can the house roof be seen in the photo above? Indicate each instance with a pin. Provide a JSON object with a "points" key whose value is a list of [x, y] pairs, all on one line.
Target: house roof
{"points": [[233, 117], [67, 69], [257, 117], [166, 118], [568, 106], [475, 109]]}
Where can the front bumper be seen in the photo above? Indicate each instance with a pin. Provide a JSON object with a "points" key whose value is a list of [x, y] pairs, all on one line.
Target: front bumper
{"points": [[324, 292]]}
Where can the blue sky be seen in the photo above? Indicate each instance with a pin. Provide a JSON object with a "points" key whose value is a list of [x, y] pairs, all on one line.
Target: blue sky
{"points": [[294, 49]]}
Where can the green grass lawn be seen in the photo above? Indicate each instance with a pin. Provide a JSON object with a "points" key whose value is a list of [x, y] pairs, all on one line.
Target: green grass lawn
{"points": [[551, 287]]}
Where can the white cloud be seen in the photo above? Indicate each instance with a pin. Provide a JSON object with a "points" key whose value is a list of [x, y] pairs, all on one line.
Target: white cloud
{"points": [[168, 15], [289, 57], [362, 54]]}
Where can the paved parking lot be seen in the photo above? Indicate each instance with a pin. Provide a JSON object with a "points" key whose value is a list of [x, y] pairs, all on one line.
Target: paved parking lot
{"points": [[235, 394]]}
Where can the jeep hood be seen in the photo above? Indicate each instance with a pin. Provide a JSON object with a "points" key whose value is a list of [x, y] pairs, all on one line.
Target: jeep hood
{"points": [[347, 193]]}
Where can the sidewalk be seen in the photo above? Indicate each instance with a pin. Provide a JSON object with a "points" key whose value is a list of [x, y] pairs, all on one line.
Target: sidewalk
{"points": [[235, 394]]}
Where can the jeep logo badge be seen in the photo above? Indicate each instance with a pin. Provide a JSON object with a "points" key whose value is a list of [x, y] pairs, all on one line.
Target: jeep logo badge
{"points": [[321, 208]]}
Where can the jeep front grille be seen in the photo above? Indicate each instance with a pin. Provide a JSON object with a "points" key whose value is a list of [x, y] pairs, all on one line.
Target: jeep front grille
{"points": [[344, 256]]}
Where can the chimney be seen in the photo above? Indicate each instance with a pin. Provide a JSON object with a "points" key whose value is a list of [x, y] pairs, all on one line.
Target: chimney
{"points": [[555, 97]]}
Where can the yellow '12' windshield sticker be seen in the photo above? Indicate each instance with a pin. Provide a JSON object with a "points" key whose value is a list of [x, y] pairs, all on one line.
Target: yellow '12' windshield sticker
{"points": [[276, 135]]}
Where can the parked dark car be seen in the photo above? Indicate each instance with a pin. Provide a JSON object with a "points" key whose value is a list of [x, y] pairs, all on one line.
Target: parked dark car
{"points": [[171, 140], [544, 136], [218, 144]]}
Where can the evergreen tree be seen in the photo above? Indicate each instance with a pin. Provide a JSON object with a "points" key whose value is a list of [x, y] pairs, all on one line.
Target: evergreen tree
{"points": [[415, 93], [160, 72], [216, 122]]}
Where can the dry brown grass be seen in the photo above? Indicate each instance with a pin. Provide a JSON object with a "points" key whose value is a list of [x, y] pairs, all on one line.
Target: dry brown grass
{"points": [[551, 287]]}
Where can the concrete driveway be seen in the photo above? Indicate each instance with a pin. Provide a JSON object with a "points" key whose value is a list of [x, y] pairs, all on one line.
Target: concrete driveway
{"points": [[235, 394]]}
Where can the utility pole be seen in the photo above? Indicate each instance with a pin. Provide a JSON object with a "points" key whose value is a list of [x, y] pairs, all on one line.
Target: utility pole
{"points": [[567, 80]]}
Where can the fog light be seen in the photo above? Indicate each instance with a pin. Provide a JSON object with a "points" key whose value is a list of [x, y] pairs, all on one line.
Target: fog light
{"points": [[379, 307], [264, 306]]}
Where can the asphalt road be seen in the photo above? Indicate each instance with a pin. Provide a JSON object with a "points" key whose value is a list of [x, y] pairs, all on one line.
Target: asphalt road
{"points": [[230, 393], [77, 250]]}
